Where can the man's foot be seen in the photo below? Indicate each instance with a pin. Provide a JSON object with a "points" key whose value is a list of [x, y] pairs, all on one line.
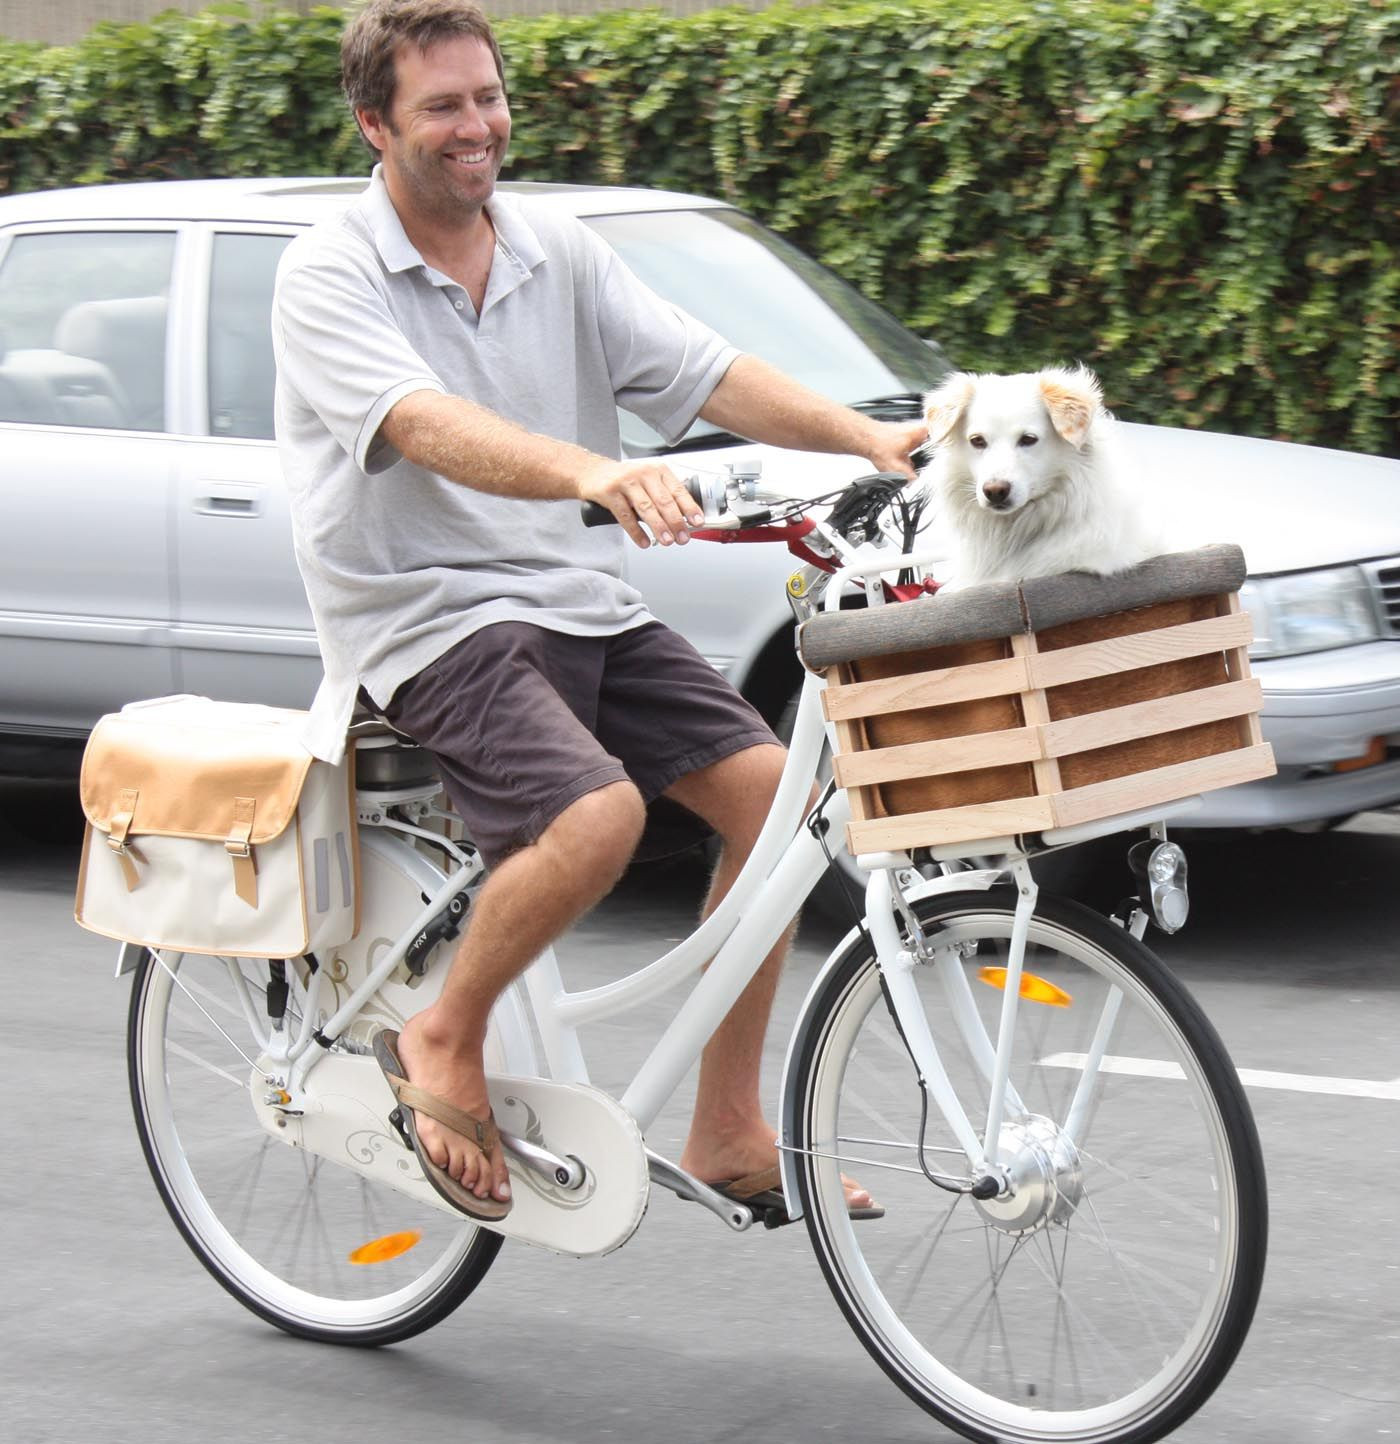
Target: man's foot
{"points": [[457, 1077], [763, 1191], [722, 1161]]}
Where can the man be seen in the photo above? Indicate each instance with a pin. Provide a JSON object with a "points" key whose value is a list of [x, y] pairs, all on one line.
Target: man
{"points": [[449, 366]]}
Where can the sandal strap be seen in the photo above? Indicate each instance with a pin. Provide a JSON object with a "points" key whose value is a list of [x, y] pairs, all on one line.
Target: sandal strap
{"points": [[763, 1181], [481, 1131]]}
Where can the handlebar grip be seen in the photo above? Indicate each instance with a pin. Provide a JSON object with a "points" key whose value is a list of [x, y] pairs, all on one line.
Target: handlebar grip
{"points": [[595, 514]]}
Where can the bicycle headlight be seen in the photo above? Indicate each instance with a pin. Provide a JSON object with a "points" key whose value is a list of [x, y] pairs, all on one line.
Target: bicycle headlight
{"points": [[1160, 869]]}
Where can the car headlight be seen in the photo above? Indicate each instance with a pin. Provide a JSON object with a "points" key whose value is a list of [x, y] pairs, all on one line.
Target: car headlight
{"points": [[1309, 611]]}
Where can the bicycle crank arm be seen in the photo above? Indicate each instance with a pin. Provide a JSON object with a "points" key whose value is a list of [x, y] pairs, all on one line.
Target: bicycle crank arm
{"points": [[566, 1172], [685, 1185]]}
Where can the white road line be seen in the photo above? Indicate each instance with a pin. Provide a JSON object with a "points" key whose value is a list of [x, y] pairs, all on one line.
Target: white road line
{"points": [[1250, 1077]]}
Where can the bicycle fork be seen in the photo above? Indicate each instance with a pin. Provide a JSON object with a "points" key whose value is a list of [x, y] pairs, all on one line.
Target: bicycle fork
{"points": [[989, 1174]]}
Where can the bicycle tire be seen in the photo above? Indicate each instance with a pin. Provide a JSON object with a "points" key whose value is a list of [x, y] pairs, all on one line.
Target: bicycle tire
{"points": [[276, 1227], [1107, 1299]]}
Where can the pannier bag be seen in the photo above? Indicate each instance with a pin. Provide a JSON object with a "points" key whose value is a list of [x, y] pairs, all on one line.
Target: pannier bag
{"points": [[211, 829]]}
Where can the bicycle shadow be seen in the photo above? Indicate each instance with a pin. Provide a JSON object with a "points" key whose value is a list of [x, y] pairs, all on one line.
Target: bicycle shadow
{"points": [[594, 1364]]}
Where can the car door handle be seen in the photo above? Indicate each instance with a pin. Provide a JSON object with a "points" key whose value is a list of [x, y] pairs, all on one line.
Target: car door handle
{"points": [[227, 504]]}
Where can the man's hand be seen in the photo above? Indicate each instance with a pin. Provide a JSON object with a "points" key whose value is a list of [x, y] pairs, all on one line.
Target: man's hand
{"points": [[891, 444], [643, 491]]}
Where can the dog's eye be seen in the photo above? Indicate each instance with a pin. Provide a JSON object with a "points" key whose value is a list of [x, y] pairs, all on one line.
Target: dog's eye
{"points": [[977, 443], [1027, 438]]}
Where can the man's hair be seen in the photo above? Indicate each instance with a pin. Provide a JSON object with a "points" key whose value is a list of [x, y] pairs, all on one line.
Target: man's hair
{"points": [[373, 38]]}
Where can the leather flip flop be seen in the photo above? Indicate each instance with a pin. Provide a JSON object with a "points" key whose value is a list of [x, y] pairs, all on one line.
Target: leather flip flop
{"points": [[480, 1132], [764, 1190]]}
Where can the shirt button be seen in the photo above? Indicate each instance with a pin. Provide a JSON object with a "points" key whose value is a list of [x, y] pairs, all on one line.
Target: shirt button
{"points": [[458, 305]]}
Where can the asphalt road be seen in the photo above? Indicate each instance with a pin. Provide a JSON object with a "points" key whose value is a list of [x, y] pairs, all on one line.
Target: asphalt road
{"points": [[690, 1334]]}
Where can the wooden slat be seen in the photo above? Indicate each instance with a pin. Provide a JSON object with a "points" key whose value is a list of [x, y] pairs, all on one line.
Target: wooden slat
{"points": [[1150, 718], [1049, 740], [1237, 665], [1036, 711], [1139, 649], [937, 758], [950, 824], [850, 739], [1161, 784], [925, 689]]}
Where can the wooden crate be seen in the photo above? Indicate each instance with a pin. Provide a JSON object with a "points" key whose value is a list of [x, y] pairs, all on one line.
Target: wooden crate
{"points": [[1093, 714]]}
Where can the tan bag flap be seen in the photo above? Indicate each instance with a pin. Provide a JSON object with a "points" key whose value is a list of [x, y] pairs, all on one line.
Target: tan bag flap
{"points": [[191, 767]]}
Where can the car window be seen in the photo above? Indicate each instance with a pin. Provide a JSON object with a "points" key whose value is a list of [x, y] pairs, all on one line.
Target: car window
{"points": [[767, 298], [82, 328], [242, 373]]}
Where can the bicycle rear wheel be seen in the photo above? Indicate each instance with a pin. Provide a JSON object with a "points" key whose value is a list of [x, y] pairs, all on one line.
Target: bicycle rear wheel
{"points": [[313, 1248], [1107, 1297]]}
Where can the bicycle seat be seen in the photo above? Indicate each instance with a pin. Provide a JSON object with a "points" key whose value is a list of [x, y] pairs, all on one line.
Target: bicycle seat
{"points": [[386, 757]]}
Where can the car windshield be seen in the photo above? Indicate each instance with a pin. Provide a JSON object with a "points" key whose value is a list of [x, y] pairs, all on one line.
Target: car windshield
{"points": [[768, 299]]}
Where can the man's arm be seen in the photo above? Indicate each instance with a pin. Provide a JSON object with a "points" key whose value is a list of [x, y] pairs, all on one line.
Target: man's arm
{"points": [[475, 447], [757, 400]]}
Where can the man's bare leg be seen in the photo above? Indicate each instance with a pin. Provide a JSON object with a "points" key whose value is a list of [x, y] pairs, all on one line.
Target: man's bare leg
{"points": [[533, 897], [729, 1135]]}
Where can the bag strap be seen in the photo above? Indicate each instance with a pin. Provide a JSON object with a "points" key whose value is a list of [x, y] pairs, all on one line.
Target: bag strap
{"points": [[238, 845], [116, 838]]}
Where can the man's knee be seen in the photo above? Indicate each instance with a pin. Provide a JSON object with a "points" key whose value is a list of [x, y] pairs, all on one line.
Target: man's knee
{"points": [[746, 785], [602, 828]]}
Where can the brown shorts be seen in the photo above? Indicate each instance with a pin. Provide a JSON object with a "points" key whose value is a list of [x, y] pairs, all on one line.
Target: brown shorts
{"points": [[524, 721]]}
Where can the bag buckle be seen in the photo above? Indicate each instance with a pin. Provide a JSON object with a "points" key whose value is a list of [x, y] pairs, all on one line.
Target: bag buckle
{"points": [[121, 822]]}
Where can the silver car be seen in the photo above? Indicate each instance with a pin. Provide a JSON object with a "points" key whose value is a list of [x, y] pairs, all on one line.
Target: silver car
{"points": [[145, 546]]}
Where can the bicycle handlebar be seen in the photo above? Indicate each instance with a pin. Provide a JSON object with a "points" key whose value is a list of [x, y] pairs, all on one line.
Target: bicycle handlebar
{"points": [[705, 497], [738, 508]]}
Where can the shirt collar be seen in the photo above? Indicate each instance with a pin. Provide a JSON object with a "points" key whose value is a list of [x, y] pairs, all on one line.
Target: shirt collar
{"points": [[390, 239], [513, 232]]}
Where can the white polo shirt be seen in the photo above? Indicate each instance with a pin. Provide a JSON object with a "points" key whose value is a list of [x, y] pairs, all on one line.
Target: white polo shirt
{"points": [[399, 563]]}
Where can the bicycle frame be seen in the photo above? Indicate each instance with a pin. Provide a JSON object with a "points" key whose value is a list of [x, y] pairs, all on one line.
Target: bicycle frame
{"points": [[786, 863]]}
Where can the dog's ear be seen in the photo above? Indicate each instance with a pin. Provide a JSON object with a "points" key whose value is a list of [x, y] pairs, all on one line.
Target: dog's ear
{"points": [[1073, 399], [944, 407]]}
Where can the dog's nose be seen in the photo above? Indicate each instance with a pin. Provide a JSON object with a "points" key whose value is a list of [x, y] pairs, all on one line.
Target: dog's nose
{"points": [[998, 493]]}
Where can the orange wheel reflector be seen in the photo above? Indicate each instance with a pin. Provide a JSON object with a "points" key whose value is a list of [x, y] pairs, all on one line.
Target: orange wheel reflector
{"points": [[1038, 990], [381, 1250]]}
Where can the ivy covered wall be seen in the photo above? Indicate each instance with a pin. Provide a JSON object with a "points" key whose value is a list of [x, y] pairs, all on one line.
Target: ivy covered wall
{"points": [[1199, 198]]}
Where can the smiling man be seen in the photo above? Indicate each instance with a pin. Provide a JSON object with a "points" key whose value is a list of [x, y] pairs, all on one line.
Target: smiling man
{"points": [[450, 363]]}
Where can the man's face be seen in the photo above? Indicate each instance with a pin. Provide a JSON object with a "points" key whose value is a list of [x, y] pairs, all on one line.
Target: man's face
{"points": [[445, 137]]}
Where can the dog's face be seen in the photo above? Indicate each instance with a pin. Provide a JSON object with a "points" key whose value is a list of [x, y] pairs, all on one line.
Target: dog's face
{"points": [[1006, 441]]}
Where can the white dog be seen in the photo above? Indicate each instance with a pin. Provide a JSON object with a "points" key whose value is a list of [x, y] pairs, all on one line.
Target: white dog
{"points": [[1025, 479]]}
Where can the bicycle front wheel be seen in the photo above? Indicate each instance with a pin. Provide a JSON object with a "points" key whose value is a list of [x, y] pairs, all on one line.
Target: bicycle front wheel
{"points": [[1107, 1295], [312, 1247]]}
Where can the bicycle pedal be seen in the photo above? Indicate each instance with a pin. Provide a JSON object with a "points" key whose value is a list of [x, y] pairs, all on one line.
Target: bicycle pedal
{"points": [[773, 1217], [396, 1120]]}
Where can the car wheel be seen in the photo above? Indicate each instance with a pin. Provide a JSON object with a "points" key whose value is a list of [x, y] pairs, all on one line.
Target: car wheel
{"points": [[42, 811]]}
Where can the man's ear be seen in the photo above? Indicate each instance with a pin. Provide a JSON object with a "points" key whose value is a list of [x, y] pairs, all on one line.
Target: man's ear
{"points": [[1073, 399], [372, 127], [944, 407]]}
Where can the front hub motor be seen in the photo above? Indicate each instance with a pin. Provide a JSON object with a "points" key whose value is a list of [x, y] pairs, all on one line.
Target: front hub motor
{"points": [[1043, 1174]]}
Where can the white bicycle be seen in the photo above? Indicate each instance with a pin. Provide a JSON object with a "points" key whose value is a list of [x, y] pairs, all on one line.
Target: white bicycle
{"points": [[1075, 1224]]}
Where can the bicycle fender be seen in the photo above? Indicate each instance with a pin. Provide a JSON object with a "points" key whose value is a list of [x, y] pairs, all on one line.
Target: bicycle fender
{"points": [[808, 1019]]}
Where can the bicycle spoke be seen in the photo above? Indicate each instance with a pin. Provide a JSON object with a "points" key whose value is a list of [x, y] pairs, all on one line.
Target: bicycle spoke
{"points": [[214, 1023], [180, 1051]]}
